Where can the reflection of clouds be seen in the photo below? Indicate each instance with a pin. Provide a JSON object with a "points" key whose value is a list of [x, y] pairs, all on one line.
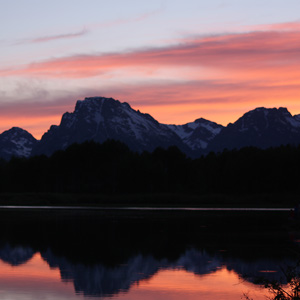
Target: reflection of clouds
{"points": [[16, 255]]}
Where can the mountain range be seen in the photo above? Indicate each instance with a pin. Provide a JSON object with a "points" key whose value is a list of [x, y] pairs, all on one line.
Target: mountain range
{"points": [[100, 118]]}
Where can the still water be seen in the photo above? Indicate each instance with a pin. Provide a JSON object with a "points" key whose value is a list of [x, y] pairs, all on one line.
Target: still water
{"points": [[117, 254]]}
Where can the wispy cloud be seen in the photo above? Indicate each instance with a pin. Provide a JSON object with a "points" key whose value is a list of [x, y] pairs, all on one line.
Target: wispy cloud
{"points": [[147, 15], [43, 39], [287, 26], [268, 53], [85, 31], [122, 21]]}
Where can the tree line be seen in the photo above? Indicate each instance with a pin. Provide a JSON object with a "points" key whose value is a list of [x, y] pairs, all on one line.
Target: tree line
{"points": [[112, 168]]}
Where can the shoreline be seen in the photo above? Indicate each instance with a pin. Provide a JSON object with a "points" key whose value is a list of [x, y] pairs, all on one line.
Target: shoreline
{"points": [[148, 201], [33, 207]]}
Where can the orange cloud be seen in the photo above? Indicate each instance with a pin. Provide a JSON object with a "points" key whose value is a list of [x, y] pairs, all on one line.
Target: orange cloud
{"points": [[168, 102], [33, 116], [222, 103]]}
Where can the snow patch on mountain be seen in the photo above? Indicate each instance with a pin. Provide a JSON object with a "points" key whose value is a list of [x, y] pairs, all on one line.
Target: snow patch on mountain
{"points": [[180, 131], [196, 135], [23, 148], [294, 121], [213, 129]]}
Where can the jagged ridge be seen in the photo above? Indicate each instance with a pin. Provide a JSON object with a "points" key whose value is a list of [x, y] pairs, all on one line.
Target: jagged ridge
{"points": [[100, 118]]}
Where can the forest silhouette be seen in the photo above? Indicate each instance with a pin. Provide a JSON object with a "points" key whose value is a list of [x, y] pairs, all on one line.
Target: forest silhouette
{"points": [[112, 168]]}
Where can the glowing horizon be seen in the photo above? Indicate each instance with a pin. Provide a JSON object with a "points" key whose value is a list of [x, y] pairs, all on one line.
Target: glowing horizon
{"points": [[30, 124], [36, 124], [176, 61]]}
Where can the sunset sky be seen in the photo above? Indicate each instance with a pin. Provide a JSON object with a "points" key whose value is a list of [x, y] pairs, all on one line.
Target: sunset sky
{"points": [[178, 60]]}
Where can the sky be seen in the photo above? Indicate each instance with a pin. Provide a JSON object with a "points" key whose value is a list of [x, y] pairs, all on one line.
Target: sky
{"points": [[178, 60]]}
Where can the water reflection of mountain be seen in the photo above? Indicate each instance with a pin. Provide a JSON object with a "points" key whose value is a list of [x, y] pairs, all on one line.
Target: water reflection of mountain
{"points": [[15, 255], [101, 280], [105, 254]]}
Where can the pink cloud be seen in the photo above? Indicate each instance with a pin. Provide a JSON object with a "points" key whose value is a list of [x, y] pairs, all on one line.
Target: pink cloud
{"points": [[287, 26], [266, 52]]}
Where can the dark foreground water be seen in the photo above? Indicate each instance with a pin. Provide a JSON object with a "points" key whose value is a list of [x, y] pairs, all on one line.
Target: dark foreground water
{"points": [[148, 254]]}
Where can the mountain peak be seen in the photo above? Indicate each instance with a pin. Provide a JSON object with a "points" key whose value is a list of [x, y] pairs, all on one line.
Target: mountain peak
{"points": [[197, 134], [89, 103], [16, 132], [261, 127], [99, 119], [201, 120], [93, 102], [274, 110], [261, 117], [16, 142]]}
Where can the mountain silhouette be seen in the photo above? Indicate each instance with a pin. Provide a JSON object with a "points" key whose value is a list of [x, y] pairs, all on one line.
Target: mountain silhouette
{"points": [[261, 128], [16, 142], [100, 119]]}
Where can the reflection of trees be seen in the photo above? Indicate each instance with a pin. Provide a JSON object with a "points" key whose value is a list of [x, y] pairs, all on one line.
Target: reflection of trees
{"points": [[289, 290], [267, 268]]}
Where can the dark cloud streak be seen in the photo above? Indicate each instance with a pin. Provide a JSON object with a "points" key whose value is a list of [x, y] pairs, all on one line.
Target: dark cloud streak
{"points": [[49, 38]]}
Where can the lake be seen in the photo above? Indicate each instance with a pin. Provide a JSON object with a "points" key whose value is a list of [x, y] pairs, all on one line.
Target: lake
{"points": [[142, 254]]}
